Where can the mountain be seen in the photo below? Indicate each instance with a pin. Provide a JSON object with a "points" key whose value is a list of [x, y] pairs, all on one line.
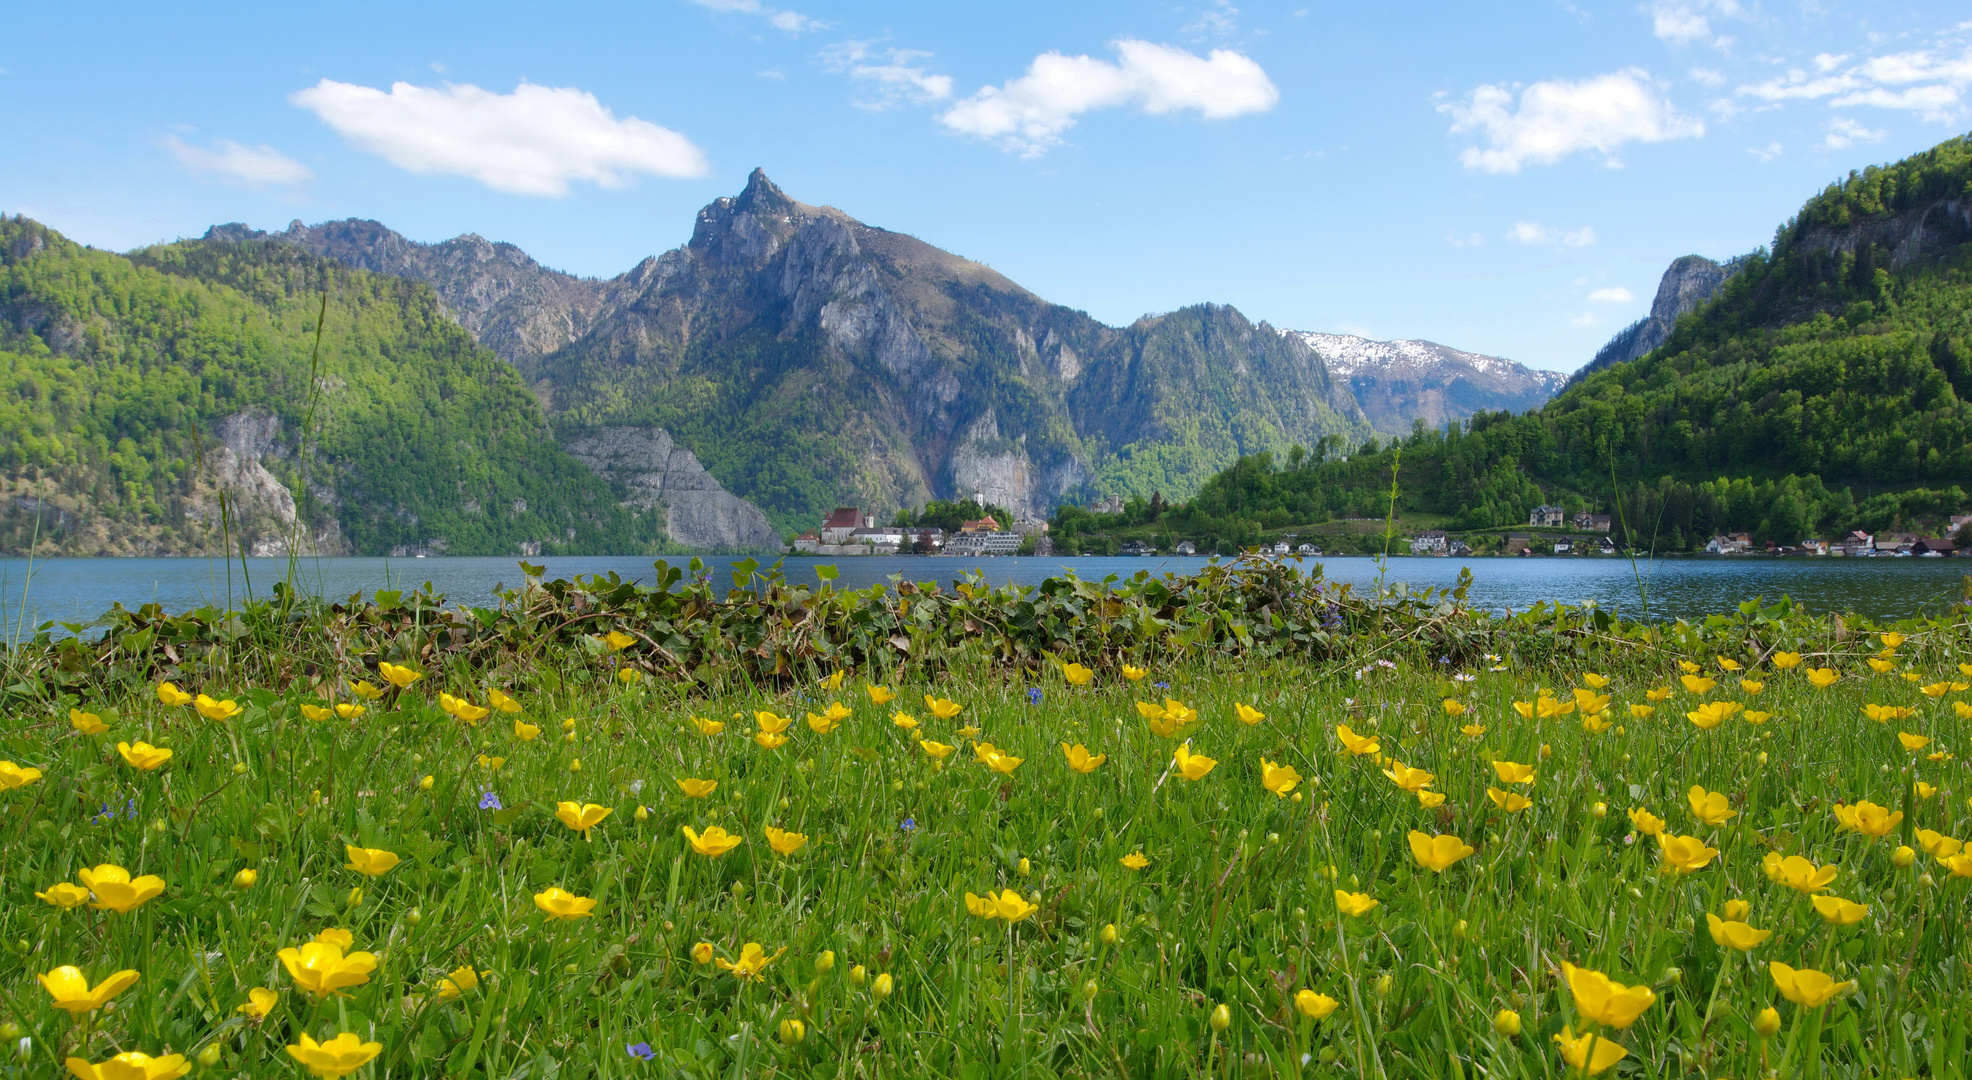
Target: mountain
{"points": [[1398, 383], [810, 360], [1688, 282], [1825, 386], [170, 402]]}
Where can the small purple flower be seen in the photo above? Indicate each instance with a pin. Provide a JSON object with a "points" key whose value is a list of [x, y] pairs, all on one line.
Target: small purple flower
{"points": [[641, 1051], [910, 825], [490, 801], [1033, 695], [1160, 686]]}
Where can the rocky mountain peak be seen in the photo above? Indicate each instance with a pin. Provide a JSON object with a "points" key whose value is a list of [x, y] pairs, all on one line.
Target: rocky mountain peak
{"points": [[1400, 382], [762, 196], [1687, 283]]}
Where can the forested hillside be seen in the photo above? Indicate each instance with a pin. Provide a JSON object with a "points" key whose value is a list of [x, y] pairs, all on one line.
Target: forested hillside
{"points": [[1825, 387], [136, 391]]}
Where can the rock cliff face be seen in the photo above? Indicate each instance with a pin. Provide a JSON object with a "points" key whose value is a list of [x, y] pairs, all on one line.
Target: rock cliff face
{"points": [[1686, 284], [1400, 382], [1907, 236], [661, 475], [810, 360]]}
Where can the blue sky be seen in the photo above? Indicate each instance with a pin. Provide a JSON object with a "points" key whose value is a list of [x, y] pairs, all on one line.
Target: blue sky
{"points": [[1508, 179]]}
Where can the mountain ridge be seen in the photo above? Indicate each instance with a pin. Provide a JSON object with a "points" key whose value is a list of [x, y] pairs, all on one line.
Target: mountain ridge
{"points": [[1404, 381]]}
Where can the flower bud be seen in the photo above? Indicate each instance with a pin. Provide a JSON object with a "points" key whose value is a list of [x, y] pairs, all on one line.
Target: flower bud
{"points": [[569, 723], [1926, 880], [1384, 985], [882, 987], [1459, 931], [1767, 1024], [793, 1031], [1903, 857], [575, 765], [239, 768], [414, 916], [1026, 868], [10, 1030], [1090, 990], [642, 814], [1110, 935], [355, 896], [1507, 1022], [1600, 810], [246, 879], [825, 963], [1735, 910], [1762, 759], [209, 1056], [702, 952], [425, 784], [1221, 1017], [858, 975]]}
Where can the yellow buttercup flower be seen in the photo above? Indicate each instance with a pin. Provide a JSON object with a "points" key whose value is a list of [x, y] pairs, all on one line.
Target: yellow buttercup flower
{"points": [[1162, 726], [834, 680], [491, 762], [1913, 743], [695, 788], [140, 755], [457, 983], [1550, 708], [708, 727], [1839, 912], [1642, 712], [64, 895], [1594, 680], [320, 967], [1525, 709], [1590, 1053], [1134, 674], [338, 1057], [1798, 873], [1357, 744], [823, 724], [1735, 935], [769, 740], [1822, 678], [936, 751], [1192, 766], [1785, 661], [1755, 717], [72, 993], [1279, 779], [1509, 801], [1684, 854], [470, 713], [771, 723], [942, 708], [1883, 714], [501, 700], [1697, 684], [1923, 790], [525, 731], [1511, 772], [557, 903], [1805, 986], [1709, 807], [1601, 1000], [1882, 666], [904, 720], [581, 817], [712, 843], [783, 842], [618, 641], [1436, 853], [1354, 904], [168, 694], [1472, 731], [1589, 702], [1079, 758], [1658, 693], [365, 690], [130, 1065], [1453, 707], [879, 695], [1428, 798], [1713, 713], [1001, 763], [1727, 663], [1867, 818], [87, 723], [753, 960], [1891, 640], [1937, 843], [1013, 907], [260, 1001], [1314, 1006], [397, 675], [1134, 860], [1077, 675], [1247, 714], [1688, 667], [371, 862], [213, 709], [628, 675], [1408, 778], [117, 891], [1647, 823]]}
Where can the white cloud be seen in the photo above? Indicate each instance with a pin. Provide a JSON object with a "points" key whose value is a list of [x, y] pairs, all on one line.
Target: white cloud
{"points": [[1535, 234], [530, 142], [1844, 133], [254, 166], [1765, 153], [791, 21], [1616, 295], [1466, 240], [1931, 82], [1681, 22], [893, 75], [1586, 318], [1708, 76], [1556, 119], [1220, 20], [1031, 113]]}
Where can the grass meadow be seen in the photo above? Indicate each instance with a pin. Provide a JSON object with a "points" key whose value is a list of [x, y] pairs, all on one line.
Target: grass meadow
{"points": [[1646, 864]]}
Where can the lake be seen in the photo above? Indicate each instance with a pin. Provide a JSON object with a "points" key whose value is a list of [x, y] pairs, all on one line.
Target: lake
{"points": [[77, 590]]}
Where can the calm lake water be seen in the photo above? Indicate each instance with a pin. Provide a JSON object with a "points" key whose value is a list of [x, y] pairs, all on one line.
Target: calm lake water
{"points": [[77, 590]]}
